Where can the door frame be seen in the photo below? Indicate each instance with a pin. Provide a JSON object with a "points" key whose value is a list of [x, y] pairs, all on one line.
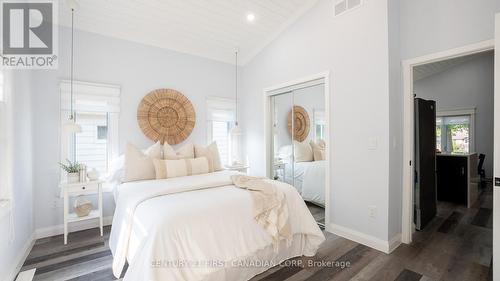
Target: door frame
{"points": [[408, 123], [267, 94]]}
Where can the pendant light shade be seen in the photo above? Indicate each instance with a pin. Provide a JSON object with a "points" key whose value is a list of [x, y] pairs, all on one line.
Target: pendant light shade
{"points": [[236, 130], [71, 127]]}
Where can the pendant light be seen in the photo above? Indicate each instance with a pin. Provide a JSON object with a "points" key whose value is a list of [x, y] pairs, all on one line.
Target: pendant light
{"points": [[236, 130], [71, 126]]}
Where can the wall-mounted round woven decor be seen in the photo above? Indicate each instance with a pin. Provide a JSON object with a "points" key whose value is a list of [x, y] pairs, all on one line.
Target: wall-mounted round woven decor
{"points": [[301, 123], [166, 115]]}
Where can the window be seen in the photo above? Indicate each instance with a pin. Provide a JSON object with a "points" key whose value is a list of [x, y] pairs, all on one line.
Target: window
{"points": [[102, 132], [454, 133], [220, 120], [97, 108], [319, 124], [89, 149]]}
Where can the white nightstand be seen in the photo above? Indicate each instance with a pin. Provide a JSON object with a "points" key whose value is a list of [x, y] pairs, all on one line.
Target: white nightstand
{"points": [[81, 188], [280, 166], [239, 168]]}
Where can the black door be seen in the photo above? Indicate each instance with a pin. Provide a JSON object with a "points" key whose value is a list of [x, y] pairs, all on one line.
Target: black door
{"points": [[425, 162]]}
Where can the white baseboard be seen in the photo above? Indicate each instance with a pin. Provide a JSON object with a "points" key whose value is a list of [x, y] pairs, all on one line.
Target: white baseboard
{"points": [[59, 229], [23, 254], [365, 239], [394, 242]]}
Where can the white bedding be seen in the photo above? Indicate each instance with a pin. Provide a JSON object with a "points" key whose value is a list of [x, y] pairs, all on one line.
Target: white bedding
{"points": [[198, 228], [308, 179]]}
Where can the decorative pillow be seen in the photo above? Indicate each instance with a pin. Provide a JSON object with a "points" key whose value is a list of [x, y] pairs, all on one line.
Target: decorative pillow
{"points": [[138, 164], [211, 152], [321, 143], [302, 151], [180, 168], [185, 152], [318, 149]]}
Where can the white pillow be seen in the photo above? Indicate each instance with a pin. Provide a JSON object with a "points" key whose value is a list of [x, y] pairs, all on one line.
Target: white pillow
{"points": [[165, 169], [302, 151], [138, 164], [211, 152], [185, 152], [318, 149], [116, 171]]}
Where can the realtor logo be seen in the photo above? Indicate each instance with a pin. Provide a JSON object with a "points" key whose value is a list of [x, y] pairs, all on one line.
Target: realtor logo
{"points": [[29, 32]]}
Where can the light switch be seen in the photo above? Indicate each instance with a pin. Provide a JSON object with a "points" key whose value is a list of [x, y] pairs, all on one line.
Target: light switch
{"points": [[372, 143]]}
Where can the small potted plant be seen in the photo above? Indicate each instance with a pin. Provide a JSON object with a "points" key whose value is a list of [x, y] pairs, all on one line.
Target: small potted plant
{"points": [[72, 170]]}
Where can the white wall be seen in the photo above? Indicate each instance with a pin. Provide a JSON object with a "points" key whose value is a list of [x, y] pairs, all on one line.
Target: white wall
{"points": [[429, 26], [465, 86], [18, 85], [138, 69], [395, 120], [354, 47]]}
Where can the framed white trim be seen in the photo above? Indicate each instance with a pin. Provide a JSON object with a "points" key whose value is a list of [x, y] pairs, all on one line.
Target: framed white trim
{"points": [[324, 77], [408, 125]]}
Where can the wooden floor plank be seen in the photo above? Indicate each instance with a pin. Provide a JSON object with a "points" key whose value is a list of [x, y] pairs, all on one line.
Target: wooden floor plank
{"points": [[482, 217]]}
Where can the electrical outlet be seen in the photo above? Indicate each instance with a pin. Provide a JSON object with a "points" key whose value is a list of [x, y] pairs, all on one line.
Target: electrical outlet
{"points": [[372, 211], [372, 143]]}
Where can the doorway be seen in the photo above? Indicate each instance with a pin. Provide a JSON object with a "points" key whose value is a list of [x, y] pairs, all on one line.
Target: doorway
{"points": [[297, 140], [446, 119]]}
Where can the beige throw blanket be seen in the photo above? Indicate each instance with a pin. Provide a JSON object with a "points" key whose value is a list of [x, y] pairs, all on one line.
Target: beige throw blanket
{"points": [[269, 206]]}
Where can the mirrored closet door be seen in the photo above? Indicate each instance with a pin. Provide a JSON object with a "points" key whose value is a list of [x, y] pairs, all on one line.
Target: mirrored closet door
{"points": [[298, 140]]}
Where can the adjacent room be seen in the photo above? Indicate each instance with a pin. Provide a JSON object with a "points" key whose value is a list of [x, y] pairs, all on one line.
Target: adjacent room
{"points": [[298, 140], [454, 150]]}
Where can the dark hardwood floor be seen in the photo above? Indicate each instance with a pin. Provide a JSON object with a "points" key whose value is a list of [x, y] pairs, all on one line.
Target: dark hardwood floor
{"points": [[456, 245], [317, 212]]}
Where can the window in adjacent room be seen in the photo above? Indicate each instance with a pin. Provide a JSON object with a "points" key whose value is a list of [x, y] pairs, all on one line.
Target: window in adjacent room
{"points": [[319, 124], [97, 108], [220, 119], [454, 134]]}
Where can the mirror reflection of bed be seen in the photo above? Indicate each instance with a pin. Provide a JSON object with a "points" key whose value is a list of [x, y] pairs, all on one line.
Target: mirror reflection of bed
{"points": [[299, 147]]}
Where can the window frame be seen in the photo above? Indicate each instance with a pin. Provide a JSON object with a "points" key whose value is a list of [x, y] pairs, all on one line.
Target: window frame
{"points": [[471, 113], [107, 98]]}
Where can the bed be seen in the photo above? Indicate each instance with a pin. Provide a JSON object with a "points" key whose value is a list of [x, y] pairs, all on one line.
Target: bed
{"points": [[201, 228], [309, 180]]}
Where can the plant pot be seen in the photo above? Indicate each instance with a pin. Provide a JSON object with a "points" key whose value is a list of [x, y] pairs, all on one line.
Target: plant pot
{"points": [[73, 177]]}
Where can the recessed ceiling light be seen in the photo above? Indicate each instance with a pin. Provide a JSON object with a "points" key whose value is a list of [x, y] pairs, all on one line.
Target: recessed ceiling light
{"points": [[250, 17]]}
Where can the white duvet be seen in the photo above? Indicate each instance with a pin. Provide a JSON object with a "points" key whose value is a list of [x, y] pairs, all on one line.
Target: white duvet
{"points": [[200, 228], [309, 180]]}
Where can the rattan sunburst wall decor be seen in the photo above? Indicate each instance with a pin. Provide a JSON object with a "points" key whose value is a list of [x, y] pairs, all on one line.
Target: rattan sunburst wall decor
{"points": [[166, 115], [301, 123]]}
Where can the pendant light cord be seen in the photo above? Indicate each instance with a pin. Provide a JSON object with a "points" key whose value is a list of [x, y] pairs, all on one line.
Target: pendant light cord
{"points": [[236, 85], [72, 117]]}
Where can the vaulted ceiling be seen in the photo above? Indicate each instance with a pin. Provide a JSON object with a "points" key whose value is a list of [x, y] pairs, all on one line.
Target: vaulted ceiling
{"points": [[207, 28], [423, 71]]}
